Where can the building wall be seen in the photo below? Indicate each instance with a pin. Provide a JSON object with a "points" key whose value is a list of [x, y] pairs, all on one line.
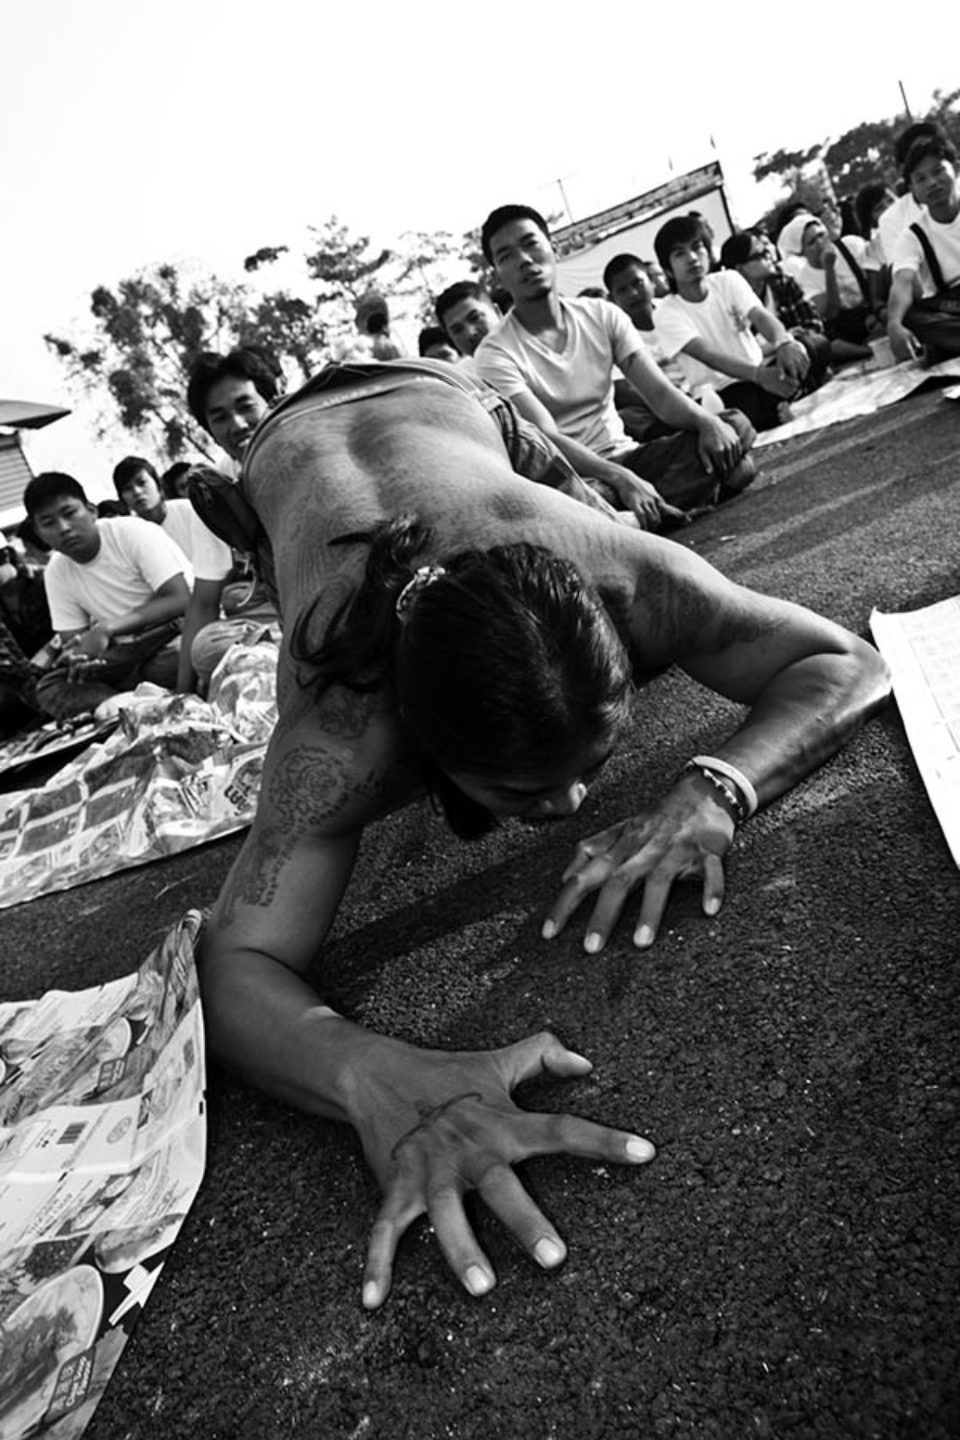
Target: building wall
{"points": [[586, 267], [15, 475]]}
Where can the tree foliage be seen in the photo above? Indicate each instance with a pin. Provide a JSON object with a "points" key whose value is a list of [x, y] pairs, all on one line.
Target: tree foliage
{"points": [[860, 155], [148, 329]]}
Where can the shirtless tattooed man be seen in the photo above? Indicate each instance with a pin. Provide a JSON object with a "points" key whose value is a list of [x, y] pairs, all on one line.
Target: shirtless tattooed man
{"points": [[454, 628]]}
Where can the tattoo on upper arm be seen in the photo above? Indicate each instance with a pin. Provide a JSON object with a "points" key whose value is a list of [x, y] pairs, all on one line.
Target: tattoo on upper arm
{"points": [[684, 619], [309, 785]]}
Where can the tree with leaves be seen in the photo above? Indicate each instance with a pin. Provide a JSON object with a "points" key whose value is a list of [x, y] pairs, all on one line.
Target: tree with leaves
{"points": [[149, 328], [862, 154]]}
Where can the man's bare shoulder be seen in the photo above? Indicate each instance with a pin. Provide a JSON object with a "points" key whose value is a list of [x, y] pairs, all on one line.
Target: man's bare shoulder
{"points": [[669, 604], [333, 763]]}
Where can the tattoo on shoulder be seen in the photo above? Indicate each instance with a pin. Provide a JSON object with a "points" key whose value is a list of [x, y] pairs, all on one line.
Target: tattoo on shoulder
{"points": [[671, 617]]}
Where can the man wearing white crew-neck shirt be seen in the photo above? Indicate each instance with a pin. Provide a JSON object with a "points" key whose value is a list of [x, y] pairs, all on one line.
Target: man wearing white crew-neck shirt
{"points": [[555, 359]]}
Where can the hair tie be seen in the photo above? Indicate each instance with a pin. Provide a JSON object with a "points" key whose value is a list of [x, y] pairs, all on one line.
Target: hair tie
{"points": [[421, 579]]}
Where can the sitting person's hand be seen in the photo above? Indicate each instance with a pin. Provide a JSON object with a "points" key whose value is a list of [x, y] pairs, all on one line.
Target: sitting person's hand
{"points": [[687, 833], [435, 1125], [642, 499], [903, 342], [769, 378], [792, 360], [84, 652], [719, 446]]}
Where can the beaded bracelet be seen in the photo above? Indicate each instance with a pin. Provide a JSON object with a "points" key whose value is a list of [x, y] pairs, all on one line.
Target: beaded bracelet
{"points": [[727, 793], [746, 792]]}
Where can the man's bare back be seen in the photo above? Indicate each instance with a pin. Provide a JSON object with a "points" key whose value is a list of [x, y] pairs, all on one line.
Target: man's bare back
{"points": [[339, 758]]}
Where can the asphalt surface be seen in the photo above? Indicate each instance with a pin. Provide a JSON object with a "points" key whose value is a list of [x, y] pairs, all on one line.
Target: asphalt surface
{"points": [[788, 1265]]}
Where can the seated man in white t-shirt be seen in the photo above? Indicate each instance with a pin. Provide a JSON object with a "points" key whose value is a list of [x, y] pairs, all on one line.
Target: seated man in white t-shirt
{"points": [[905, 210], [139, 487], [708, 323], [924, 306], [555, 359], [116, 590]]}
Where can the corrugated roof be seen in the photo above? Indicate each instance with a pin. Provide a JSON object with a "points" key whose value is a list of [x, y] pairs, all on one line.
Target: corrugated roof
{"points": [[15, 475], [28, 414]]}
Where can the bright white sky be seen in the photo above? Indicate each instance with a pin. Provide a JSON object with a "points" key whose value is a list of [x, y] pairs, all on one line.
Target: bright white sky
{"points": [[203, 129]]}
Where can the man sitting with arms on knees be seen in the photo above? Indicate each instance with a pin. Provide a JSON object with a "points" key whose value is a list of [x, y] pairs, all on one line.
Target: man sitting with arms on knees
{"points": [[138, 486], [555, 359], [754, 256], [116, 590], [709, 322], [451, 628]]}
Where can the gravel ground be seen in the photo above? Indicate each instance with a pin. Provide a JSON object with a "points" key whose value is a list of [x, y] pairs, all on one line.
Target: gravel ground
{"points": [[787, 1266]]}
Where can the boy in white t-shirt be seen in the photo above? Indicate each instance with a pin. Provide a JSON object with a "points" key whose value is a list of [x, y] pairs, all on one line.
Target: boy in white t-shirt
{"points": [[116, 590], [708, 323], [138, 486], [924, 306]]}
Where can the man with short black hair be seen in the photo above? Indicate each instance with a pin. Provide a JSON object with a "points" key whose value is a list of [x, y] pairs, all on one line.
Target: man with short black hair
{"points": [[924, 305], [116, 590], [467, 315], [228, 395], [434, 344], [709, 323], [555, 359]]}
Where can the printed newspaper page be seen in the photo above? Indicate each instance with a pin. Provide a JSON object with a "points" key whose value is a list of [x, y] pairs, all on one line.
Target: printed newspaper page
{"points": [[922, 648], [102, 1149], [177, 771]]}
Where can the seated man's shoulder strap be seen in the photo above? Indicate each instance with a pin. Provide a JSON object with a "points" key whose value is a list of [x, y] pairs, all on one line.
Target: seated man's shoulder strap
{"points": [[855, 266], [930, 255], [223, 508]]}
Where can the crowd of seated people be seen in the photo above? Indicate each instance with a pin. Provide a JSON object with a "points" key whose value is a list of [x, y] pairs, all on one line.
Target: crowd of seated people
{"points": [[137, 588], [651, 383]]}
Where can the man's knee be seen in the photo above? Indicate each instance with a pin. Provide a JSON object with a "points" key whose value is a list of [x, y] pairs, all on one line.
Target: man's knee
{"points": [[63, 699], [212, 642]]}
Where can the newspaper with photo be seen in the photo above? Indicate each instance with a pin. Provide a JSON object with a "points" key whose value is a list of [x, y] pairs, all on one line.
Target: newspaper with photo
{"points": [[102, 1150]]}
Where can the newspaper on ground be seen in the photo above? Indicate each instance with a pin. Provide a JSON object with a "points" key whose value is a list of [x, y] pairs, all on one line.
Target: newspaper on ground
{"points": [[102, 1150], [922, 648], [177, 771], [859, 389]]}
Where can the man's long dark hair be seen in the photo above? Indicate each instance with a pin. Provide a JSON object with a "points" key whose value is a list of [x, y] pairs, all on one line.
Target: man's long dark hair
{"points": [[505, 666]]}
